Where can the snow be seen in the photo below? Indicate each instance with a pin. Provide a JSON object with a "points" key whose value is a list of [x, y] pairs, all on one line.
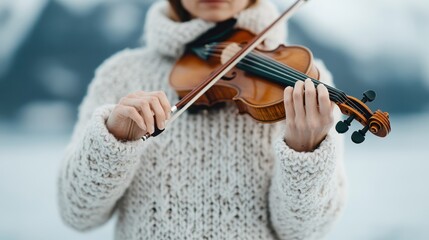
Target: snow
{"points": [[46, 117]]}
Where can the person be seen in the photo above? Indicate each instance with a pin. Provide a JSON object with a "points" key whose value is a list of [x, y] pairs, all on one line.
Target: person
{"points": [[214, 174]]}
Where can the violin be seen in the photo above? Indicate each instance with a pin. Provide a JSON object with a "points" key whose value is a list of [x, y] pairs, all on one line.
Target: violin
{"points": [[232, 70]]}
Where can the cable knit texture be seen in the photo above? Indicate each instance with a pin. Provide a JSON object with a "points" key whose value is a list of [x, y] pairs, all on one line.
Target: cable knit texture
{"points": [[212, 175]]}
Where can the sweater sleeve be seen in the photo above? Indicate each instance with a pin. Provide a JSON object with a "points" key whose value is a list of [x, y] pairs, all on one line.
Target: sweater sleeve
{"points": [[307, 192], [97, 168]]}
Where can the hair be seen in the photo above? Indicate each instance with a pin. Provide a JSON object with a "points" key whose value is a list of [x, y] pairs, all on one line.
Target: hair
{"points": [[180, 12]]}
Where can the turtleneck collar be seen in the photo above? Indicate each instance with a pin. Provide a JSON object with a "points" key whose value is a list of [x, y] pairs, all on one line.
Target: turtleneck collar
{"points": [[169, 37]]}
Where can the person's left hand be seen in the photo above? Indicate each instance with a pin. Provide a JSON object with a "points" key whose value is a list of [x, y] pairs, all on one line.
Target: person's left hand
{"points": [[309, 115]]}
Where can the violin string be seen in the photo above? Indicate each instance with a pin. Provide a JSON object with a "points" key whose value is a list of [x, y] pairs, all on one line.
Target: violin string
{"points": [[339, 94], [296, 74], [284, 71], [286, 77], [340, 97], [288, 70], [344, 99], [289, 79], [348, 102], [293, 74], [333, 94]]}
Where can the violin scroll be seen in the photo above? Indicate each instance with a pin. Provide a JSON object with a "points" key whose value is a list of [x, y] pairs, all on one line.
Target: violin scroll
{"points": [[376, 122]]}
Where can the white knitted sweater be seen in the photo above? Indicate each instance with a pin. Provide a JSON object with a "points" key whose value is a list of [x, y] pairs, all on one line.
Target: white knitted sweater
{"points": [[212, 175]]}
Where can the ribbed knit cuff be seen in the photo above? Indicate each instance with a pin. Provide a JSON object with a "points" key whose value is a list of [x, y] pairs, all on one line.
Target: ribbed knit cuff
{"points": [[106, 153], [302, 170]]}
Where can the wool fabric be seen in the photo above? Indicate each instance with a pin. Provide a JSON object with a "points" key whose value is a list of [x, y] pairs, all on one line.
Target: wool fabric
{"points": [[212, 175]]}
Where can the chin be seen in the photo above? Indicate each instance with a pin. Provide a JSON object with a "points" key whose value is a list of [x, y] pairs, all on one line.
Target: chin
{"points": [[215, 17]]}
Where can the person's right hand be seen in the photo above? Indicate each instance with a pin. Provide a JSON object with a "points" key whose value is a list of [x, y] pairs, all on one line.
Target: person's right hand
{"points": [[136, 114]]}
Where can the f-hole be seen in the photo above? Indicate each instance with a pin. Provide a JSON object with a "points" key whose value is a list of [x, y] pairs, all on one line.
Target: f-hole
{"points": [[229, 78]]}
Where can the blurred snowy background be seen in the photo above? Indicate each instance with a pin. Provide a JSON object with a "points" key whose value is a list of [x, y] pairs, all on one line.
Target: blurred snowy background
{"points": [[49, 50]]}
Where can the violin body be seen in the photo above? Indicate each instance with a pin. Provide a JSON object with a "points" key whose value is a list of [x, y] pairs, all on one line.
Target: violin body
{"points": [[257, 93], [260, 98]]}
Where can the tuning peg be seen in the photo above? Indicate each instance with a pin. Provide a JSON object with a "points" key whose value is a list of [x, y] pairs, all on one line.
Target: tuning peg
{"points": [[369, 96], [359, 135], [343, 126]]}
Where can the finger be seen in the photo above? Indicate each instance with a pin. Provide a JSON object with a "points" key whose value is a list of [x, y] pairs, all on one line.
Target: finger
{"points": [[270, 45], [143, 106], [156, 107], [325, 105], [133, 114], [310, 99], [162, 97], [164, 103], [147, 114], [298, 100], [288, 102]]}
